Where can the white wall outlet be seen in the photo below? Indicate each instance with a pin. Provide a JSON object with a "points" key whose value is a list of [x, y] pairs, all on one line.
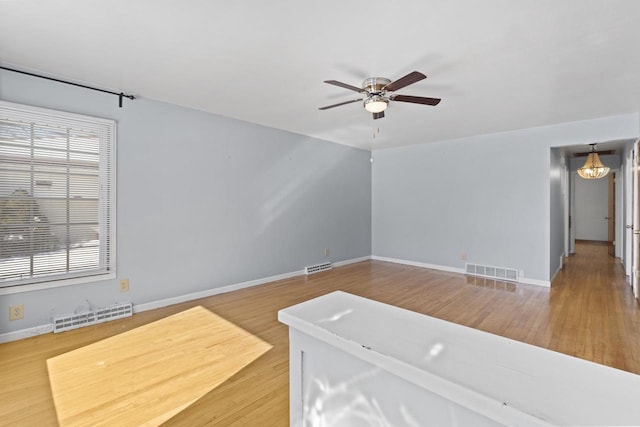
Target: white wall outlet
{"points": [[326, 251], [124, 285], [463, 255], [16, 312]]}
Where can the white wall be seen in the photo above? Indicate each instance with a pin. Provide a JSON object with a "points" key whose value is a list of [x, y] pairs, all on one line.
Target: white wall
{"points": [[205, 201], [487, 196], [591, 208]]}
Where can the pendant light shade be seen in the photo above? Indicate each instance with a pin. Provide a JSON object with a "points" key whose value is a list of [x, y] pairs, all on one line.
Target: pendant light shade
{"points": [[593, 167]]}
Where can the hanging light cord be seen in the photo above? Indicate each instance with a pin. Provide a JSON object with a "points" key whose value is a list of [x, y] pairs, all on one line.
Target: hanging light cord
{"points": [[119, 95]]}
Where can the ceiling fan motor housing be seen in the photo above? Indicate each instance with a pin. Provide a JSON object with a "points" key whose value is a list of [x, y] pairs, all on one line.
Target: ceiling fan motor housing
{"points": [[374, 85]]}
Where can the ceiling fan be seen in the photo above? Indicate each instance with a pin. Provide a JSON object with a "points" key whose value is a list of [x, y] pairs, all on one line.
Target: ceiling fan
{"points": [[375, 93]]}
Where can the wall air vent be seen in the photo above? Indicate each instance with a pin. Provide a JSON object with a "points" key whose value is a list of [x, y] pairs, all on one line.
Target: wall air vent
{"points": [[499, 273], [318, 268], [101, 315]]}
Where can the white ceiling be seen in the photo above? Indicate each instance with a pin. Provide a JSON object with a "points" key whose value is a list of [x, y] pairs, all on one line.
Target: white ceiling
{"points": [[497, 64]]}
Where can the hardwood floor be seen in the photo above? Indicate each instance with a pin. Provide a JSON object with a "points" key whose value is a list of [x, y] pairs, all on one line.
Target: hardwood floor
{"points": [[589, 312]]}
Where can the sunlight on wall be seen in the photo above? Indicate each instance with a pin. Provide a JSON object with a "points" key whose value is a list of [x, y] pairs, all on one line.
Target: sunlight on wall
{"points": [[278, 199], [149, 374]]}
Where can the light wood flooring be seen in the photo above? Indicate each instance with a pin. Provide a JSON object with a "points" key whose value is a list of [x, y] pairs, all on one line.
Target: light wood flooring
{"points": [[589, 312]]}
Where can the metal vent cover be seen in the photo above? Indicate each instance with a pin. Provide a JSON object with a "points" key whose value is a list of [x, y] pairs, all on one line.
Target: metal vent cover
{"points": [[87, 318], [318, 268], [500, 273]]}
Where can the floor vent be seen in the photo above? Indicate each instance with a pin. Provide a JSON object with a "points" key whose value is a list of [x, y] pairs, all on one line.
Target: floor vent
{"points": [[101, 315], [318, 268], [499, 273]]}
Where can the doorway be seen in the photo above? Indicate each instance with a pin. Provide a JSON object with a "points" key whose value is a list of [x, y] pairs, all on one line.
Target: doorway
{"points": [[593, 214], [599, 210]]}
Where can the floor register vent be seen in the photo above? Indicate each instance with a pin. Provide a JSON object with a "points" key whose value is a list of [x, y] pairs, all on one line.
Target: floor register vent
{"points": [[318, 268], [499, 273], [100, 315]]}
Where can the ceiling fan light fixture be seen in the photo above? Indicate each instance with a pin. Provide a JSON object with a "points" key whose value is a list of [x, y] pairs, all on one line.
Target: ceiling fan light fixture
{"points": [[375, 104], [593, 167]]}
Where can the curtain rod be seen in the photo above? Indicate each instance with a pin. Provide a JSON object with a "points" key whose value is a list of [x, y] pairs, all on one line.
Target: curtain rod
{"points": [[119, 95]]}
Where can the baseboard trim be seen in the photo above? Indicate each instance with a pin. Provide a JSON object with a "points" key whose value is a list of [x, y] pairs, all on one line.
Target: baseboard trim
{"points": [[560, 267], [523, 280], [351, 261], [137, 308], [536, 282], [26, 333], [230, 288], [419, 264]]}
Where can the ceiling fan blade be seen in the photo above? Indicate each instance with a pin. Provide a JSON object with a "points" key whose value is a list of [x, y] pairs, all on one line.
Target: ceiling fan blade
{"points": [[378, 115], [415, 99], [410, 78], [344, 85], [339, 104]]}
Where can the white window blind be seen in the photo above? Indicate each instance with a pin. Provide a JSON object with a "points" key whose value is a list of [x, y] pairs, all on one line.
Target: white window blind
{"points": [[57, 196]]}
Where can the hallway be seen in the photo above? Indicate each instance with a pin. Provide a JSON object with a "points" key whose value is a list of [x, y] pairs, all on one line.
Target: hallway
{"points": [[593, 314]]}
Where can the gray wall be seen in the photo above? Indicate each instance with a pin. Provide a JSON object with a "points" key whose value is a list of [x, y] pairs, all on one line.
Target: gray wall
{"points": [[487, 196], [206, 201], [591, 208]]}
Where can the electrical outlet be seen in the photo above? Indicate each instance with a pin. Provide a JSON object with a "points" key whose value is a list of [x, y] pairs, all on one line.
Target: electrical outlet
{"points": [[16, 312], [463, 256], [124, 285], [326, 251]]}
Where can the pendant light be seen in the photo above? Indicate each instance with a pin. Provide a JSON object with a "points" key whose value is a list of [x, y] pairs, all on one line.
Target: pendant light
{"points": [[593, 167]]}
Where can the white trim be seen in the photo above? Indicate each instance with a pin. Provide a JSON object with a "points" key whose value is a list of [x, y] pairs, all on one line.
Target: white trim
{"points": [[351, 261], [523, 280], [16, 289], [107, 129], [55, 114], [137, 308], [26, 333], [230, 288], [537, 282], [419, 264], [555, 274], [557, 270]]}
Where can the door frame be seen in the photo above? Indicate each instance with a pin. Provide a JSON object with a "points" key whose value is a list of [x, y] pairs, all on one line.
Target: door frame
{"points": [[611, 213], [635, 226]]}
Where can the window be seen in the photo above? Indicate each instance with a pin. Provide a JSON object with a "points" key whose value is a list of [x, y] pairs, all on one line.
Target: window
{"points": [[57, 198]]}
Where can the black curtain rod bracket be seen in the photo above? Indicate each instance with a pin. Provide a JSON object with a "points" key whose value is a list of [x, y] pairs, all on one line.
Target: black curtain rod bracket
{"points": [[119, 95]]}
